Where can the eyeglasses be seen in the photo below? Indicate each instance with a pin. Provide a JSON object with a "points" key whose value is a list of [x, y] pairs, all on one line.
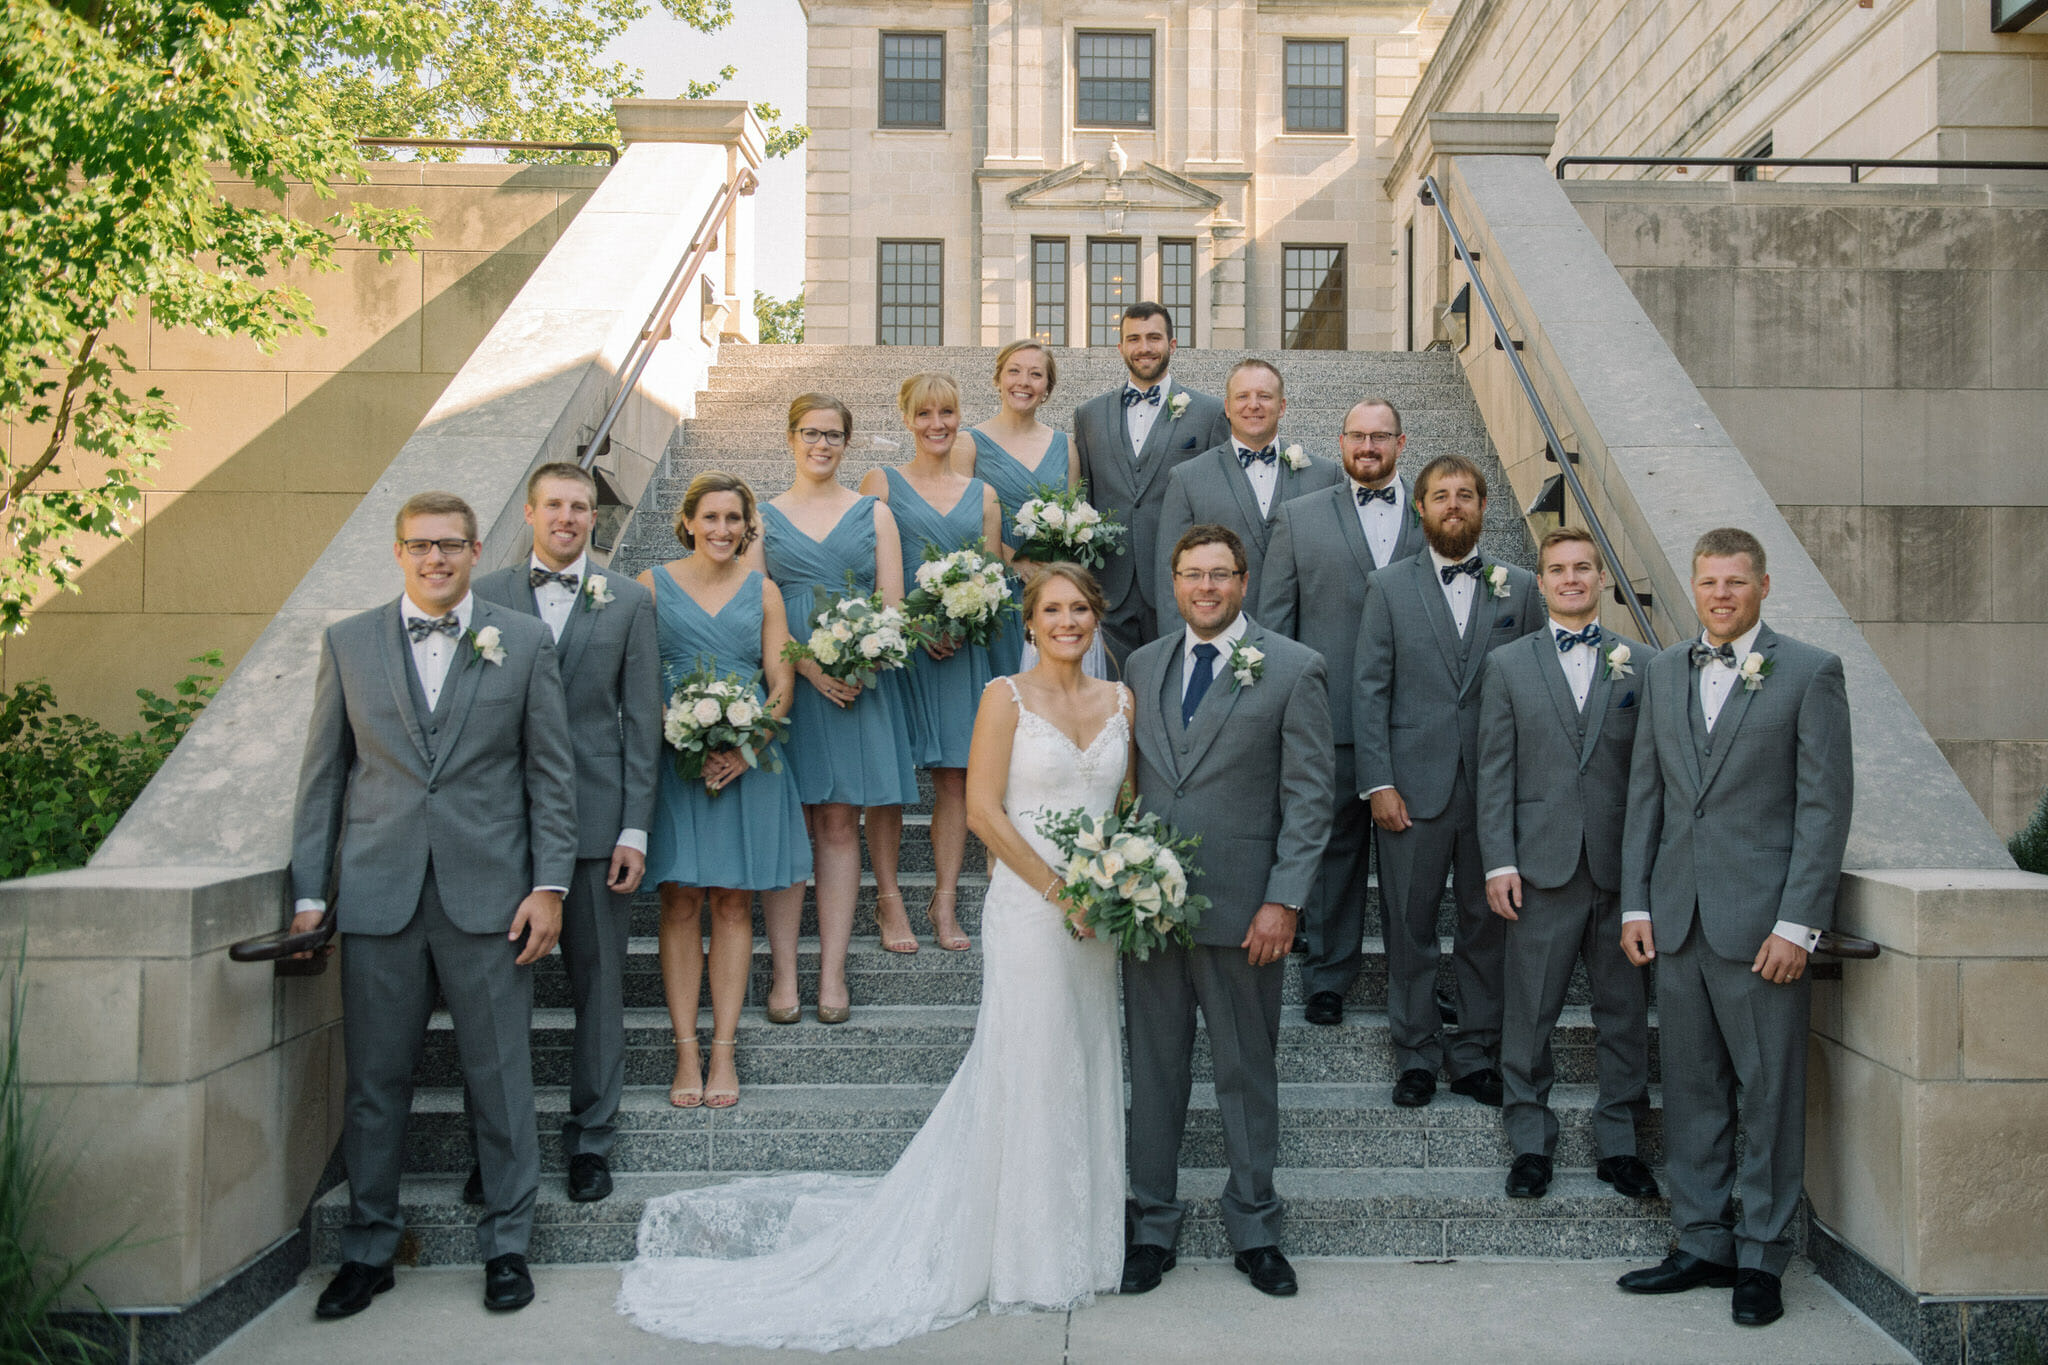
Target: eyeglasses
{"points": [[1372, 438], [810, 436], [1195, 578], [420, 549]]}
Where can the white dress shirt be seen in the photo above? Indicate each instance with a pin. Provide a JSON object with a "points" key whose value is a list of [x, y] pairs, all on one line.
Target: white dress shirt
{"points": [[1139, 417], [1579, 666], [1458, 593], [554, 601], [1263, 477], [1229, 636], [1381, 521]]}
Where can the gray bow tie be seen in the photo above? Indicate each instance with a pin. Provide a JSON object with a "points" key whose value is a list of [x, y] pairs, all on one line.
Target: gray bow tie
{"points": [[1703, 654], [420, 627]]}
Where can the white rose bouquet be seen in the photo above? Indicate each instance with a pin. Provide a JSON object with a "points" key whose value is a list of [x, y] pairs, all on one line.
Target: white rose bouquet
{"points": [[960, 596], [1058, 523], [706, 714], [855, 638], [1127, 872]]}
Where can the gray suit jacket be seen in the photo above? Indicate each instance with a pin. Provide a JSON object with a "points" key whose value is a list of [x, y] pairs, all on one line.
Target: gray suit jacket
{"points": [[1414, 704], [1313, 585], [1212, 488], [1117, 478], [1747, 824], [610, 664], [482, 787], [1253, 775], [1552, 780]]}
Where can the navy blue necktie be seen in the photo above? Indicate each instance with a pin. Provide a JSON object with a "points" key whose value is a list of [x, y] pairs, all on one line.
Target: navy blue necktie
{"points": [[1133, 396], [1589, 637], [1198, 686], [1367, 495], [1245, 457], [1451, 571], [420, 627], [1703, 654]]}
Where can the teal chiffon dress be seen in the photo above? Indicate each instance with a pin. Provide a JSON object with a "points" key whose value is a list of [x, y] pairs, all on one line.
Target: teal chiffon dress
{"points": [[1015, 482], [941, 695]]}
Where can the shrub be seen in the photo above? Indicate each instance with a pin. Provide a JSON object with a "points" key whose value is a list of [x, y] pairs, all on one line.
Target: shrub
{"points": [[2030, 846]]}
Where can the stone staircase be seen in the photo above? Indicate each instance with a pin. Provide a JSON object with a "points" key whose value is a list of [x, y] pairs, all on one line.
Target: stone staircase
{"points": [[1361, 1177]]}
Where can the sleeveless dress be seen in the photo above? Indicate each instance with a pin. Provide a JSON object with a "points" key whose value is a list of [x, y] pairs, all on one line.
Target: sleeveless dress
{"points": [[941, 695], [1015, 482], [1010, 1197], [858, 754], [749, 837]]}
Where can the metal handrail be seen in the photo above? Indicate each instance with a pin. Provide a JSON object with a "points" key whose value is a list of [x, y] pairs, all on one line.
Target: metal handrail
{"points": [[491, 144], [656, 329], [1432, 195], [1855, 164]]}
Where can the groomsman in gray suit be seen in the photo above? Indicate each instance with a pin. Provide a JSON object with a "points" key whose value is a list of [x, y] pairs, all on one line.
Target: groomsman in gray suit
{"points": [[602, 626], [1557, 726], [1242, 482], [1126, 442], [1324, 546], [436, 803], [1233, 739], [1429, 624], [1738, 813]]}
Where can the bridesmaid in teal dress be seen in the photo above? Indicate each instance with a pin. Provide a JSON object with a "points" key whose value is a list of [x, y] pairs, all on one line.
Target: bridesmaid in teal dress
{"points": [[943, 690], [738, 830], [1015, 453], [848, 749]]}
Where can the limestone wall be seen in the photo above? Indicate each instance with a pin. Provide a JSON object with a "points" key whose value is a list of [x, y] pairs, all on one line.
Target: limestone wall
{"points": [[277, 450]]}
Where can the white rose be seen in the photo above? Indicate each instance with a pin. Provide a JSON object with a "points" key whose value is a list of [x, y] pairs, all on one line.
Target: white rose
{"points": [[741, 714], [1084, 515], [1113, 862], [1147, 897], [706, 711], [842, 632], [1091, 840], [1077, 868], [1099, 875], [871, 647], [926, 573], [1168, 864], [1053, 516]]}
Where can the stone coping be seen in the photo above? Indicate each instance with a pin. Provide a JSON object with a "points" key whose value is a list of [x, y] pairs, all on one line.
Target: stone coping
{"points": [[1948, 912], [1865, 194]]}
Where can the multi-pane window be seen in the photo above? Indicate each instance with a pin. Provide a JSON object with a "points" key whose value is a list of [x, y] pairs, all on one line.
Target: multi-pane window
{"points": [[908, 288], [1113, 79], [1112, 286], [913, 80], [1049, 290], [1312, 298], [1315, 87], [1177, 286]]}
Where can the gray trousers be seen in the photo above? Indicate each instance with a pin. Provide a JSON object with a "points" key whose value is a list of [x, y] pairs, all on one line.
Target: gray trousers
{"points": [[1334, 918], [1413, 867], [1240, 1006], [388, 988], [1576, 922], [1722, 1026], [1127, 626]]}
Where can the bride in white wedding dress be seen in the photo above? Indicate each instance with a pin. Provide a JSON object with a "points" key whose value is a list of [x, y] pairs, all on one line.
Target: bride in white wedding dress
{"points": [[1011, 1197]]}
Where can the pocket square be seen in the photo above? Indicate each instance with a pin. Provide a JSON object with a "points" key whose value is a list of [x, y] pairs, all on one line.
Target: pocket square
{"points": [[1504, 623], [1627, 702]]}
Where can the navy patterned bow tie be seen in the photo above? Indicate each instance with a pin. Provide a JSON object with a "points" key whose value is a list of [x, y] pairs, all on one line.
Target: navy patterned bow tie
{"points": [[1367, 496], [420, 627], [1590, 637], [537, 576], [1265, 456], [1704, 654], [1134, 396], [1450, 571]]}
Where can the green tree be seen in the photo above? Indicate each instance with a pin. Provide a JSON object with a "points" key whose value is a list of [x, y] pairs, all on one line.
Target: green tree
{"points": [[780, 321], [2030, 846]]}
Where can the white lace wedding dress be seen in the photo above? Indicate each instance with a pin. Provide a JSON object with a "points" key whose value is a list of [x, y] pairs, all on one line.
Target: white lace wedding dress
{"points": [[1011, 1197]]}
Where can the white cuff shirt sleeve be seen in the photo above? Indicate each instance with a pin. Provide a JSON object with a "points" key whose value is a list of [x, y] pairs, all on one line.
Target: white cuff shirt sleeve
{"points": [[558, 890], [1797, 934], [1510, 869], [1635, 916], [301, 906], [1383, 787], [635, 839]]}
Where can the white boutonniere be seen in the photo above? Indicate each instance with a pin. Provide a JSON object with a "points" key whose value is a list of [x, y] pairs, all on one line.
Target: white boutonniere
{"points": [[1246, 665], [597, 593], [487, 646], [1753, 670], [1497, 579], [1617, 663], [1177, 405], [1296, 457]]}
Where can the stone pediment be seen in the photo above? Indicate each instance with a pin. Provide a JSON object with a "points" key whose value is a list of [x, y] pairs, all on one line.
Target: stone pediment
{"points": [[1097, 185]]}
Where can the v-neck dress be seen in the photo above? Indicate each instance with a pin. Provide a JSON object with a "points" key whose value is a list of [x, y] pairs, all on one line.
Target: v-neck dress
{"points": [[750, 836], [858, 754], [1015, 482], [941, 695]]}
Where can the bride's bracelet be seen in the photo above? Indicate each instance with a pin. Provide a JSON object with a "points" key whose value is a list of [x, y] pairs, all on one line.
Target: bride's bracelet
{"points": [[1052, 886]]}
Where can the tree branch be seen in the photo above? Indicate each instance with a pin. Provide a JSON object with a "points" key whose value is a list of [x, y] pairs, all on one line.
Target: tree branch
{"points": [[60, 424]]}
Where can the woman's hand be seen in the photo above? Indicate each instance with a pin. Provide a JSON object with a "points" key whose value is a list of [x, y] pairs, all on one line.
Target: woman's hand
{"points": [[723, 768], [1075, 916], [840, 693], [941, 647]]}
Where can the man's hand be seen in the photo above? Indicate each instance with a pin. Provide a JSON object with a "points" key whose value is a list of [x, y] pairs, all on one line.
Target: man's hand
{"points": [[540, 919], [629, 865], [1271, 934], [1780, 960], [305, 922], [1389, 811], [1637, 943], [1504, 894]]}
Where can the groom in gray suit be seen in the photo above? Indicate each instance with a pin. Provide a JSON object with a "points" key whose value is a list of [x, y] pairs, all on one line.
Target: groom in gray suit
{"points": [[1233, 741], [1242, 482], [436, 806], [1738, 814], [1324, 547], [603, 631], [1126, 442]]}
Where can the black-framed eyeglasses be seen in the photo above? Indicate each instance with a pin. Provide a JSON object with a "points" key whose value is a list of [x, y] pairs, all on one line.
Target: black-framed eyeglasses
{"points": [[810, 436], [1194, 578], [419, 549], [1373, 438]]}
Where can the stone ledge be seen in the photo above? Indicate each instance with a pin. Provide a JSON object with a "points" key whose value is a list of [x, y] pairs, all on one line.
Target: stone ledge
{"points": [[1948, 912]]}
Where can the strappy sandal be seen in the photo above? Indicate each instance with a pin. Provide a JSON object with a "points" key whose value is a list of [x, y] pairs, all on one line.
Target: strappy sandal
{"points": [[722, 1099], [905, 945], [688, 1096], [957, 941]]}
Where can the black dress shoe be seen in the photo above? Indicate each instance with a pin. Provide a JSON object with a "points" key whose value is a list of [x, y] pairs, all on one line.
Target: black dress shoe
{"points": [[1415, 1088], [473, 1188], [590, 1177], [1629, 1176], [507, 1284], [1269, 1271], [1143, 1265], [1324, 1007], [352, 1288], [1529, 1177], [1482, 1085], [1676, 1273], [1757, 1301]]}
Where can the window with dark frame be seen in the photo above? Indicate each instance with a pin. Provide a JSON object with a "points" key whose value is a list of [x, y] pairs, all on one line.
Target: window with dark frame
{"points": [[1112, 286], [1049, 290], [909, 288], [913, 80], [1315, 75], [1762, 148], [1113, 79], [1177, 286], [1312, 298]]}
